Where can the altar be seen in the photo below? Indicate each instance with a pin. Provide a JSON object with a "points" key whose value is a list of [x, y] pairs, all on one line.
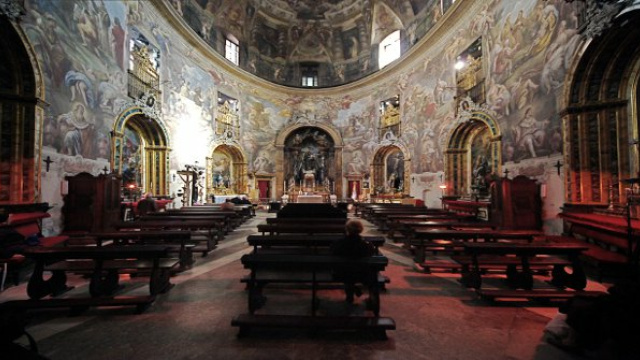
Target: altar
{"points": [[313, 198], [219, 199]]}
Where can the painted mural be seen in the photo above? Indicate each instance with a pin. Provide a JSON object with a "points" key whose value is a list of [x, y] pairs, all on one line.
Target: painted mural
{"points": [[82, 48], [340, 36]]}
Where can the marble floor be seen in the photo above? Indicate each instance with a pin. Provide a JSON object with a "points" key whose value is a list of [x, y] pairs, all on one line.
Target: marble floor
{"points": [[436, 318]]}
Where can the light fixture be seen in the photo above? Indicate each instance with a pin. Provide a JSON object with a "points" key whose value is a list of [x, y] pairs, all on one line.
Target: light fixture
{"points": [[459, 65]]}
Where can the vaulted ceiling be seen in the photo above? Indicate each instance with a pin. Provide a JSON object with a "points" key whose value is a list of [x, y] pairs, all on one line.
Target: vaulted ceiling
{"points": [[340, 38]]}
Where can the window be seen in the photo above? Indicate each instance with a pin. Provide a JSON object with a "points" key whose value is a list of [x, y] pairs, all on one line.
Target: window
{"points": [[389, 49], [231, 50], [309, 74]]}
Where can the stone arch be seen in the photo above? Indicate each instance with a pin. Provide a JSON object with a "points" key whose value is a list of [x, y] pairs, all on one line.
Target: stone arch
{"points": [[380, 165], [236, 170], [289, 130], [22, 102], [601, 116], [156, 149], [468, 168]]}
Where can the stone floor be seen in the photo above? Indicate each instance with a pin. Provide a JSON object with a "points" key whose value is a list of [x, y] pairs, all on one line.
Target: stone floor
{"points": [[436, 318]]}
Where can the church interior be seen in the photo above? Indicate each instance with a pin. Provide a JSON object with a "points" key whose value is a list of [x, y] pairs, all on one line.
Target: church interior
{"points": [[434, 123]]}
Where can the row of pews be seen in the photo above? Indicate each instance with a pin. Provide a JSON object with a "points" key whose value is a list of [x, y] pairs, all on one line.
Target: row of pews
{"points": [[477, 249], [155, 247], [295, 251]]}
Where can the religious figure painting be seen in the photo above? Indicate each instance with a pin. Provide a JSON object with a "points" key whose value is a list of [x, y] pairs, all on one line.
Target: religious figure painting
{"points": [[221, 170], [131, 158], [394, 171]]}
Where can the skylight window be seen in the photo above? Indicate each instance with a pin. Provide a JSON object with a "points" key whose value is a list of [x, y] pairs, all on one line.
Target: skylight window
{"points": [[389, 49]]}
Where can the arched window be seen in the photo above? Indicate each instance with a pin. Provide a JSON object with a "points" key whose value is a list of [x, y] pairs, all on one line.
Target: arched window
{"points": [[232, 49], [389, 49]]}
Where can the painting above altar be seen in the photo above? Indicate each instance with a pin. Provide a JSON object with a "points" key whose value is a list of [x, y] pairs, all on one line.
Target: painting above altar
{"points": [[309, 160]]}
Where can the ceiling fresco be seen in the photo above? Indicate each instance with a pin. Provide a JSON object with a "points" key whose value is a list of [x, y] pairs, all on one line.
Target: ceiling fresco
{"points": [[278, 38]]}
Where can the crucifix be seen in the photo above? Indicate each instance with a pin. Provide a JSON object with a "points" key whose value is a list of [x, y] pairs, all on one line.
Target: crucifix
{"points": [[506, 173], [48, 161], [558, 165], [105, 170]]}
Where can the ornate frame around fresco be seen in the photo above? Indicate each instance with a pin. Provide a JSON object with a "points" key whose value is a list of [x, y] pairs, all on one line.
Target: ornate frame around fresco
{"points": [[239, 173], [156, 150], [280, 143], [457, 156], [379, 167]]}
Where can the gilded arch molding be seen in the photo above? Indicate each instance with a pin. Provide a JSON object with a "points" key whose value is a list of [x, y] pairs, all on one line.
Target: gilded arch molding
{"points": [[238, 169], [156, 150], [378, 165], [472, 121], [290, 129]]}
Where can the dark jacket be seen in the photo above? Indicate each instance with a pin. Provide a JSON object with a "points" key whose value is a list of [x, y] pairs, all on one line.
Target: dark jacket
{"points": [[352, 246]]}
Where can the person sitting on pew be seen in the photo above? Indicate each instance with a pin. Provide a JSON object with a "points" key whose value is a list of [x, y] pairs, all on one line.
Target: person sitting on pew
{"points": [[227, 205], [147, 205], [354, 246]]}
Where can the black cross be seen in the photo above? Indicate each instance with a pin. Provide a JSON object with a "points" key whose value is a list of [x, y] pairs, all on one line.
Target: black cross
{"points": [[558, 165], [48, 161], [105, 170], [506, 173]]}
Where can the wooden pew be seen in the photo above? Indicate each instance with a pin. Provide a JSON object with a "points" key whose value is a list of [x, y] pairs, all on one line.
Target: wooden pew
{"points": [[211, 231], [301, 228], [522, 257], [78, 305], [176, 239], [26, 224], [312, 264], [448, 239], [230, 218], [408, 227], [310, 220], [104, 263], [292, 244], [312, 244]]}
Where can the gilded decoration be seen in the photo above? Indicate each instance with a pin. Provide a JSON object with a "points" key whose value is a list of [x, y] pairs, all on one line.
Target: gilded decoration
{"points": [[473, 151]]}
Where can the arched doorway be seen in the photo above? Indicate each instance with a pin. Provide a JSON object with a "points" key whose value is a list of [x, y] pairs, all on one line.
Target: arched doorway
{"points": [[309, 150], [391, 167], [226, 171], [21, 118], [473, 152], [140, 149], [601, 122]]}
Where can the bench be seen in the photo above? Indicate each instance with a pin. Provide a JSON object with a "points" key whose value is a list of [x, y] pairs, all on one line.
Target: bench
{"points": [[312, 264], [104, 263], [301, 228], [408, 227], [232, 219], [26, 224], [376, 325], [310, 220], [78, 305], [448, 239], [211, 231], [523, 256], [541, 295], [176, 239], [311, 243]]}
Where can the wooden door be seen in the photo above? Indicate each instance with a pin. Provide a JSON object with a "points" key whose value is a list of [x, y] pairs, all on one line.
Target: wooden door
{"points": [[264, 189]]}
